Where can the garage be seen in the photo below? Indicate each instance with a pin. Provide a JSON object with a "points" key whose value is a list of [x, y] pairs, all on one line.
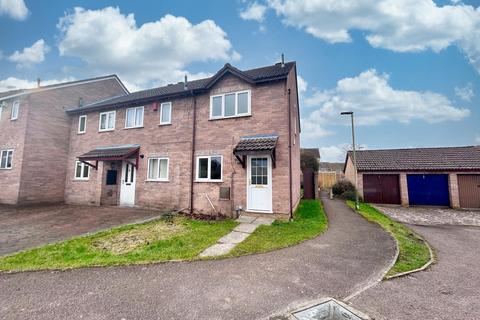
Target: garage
{"points": [[381, 188], [428, 189], [469, 190]]}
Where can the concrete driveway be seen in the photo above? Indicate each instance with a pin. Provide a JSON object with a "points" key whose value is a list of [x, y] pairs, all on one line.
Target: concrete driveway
{"points": [[31, 226], [351, 253]]}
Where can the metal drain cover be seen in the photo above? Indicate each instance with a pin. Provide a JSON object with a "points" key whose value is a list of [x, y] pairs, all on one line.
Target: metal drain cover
{"points": [[329, 309]]}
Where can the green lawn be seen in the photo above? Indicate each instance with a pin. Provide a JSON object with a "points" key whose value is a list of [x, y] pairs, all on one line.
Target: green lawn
{"points": [[181, 239], [413, 250], [309, 221]]}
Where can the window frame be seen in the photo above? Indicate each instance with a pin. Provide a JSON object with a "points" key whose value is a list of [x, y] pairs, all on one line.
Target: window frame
{"points": [[82, 171], [15, 106], [167, 179], [135, 119], [236, 115], [106, 122], [85, 125], [169, 115], [209, 168], [11, 159]]}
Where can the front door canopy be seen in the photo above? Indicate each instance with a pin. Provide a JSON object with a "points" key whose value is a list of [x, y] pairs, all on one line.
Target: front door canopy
{"points": [[111, 153], [256, 145]]}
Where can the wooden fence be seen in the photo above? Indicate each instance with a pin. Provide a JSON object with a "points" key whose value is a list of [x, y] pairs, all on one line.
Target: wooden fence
{"points": [[327, 179]]}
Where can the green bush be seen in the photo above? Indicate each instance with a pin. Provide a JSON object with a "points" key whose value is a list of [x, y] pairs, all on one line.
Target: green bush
{"points": [[342, 186]]}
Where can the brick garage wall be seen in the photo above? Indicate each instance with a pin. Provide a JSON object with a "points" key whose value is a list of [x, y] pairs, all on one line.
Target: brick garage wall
{"points": [[48, 127], [12, 136], [214, 137]]}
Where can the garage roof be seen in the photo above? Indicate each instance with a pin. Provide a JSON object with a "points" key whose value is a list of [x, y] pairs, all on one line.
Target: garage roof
{"points": [[419, 159]]}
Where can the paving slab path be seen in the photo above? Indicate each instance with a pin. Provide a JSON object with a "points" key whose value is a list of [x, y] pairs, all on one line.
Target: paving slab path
{"points": [[350, 253]]}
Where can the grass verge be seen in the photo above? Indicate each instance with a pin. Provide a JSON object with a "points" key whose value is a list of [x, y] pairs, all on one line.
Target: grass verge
{"points": [[309, 221], [129, 244], [413, 250]]}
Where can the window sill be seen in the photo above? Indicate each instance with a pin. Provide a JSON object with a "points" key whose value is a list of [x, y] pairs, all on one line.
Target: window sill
{"points": [[164, 124], [109, 130], [157, 180], [81, 180], [5, 168], [81, 132], [129, 128], [209, 181], [232, 117]]}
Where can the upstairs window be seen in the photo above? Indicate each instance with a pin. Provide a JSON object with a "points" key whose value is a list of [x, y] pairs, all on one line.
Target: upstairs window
{"points": [[6, 159], [134, 117], [107, 121], [82, 124], [234, 104], [15, 108], [166, 113], [209, 168], [82, 171], [158, 169]]}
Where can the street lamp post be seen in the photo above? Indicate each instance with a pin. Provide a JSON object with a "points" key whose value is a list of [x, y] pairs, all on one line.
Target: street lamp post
{"points": [[357, 206]]}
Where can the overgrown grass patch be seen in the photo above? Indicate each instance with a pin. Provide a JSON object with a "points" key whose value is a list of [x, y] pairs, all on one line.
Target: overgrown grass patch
{"points": [[309, 221], [154, 241], [413, 250]]}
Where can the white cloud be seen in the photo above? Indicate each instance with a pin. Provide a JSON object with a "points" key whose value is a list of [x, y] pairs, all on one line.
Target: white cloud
{"points": [[398, 25], [477, 139], [156, 51], [16, 9], [302, 85], [254, 11], [30, 55], [12, 83], [373, 100], [465, 93]]}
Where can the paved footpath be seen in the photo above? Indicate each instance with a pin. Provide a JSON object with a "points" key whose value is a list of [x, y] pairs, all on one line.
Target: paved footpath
{"points": [[350, 253], [448, 290]]}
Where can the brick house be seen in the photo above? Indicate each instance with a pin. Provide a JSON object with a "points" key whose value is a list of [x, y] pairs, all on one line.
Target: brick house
{"points": [[213, 145], [448, 176], [34, 137]]}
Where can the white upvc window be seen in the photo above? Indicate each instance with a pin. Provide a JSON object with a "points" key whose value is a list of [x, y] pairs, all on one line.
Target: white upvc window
{"points": [[107, 121], [209, 168], [158, 169], [82, 171], [229, 105], [15, 109], [6, 159], [134, 117], [82, 124], [166, 113]]}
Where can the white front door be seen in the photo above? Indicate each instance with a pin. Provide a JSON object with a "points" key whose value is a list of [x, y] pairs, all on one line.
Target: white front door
{"points": [[259, 184], [127, 187]]}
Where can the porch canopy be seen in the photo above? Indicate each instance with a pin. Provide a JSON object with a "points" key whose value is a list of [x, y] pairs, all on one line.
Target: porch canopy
{"points": [[256, 145], [112, 153]]}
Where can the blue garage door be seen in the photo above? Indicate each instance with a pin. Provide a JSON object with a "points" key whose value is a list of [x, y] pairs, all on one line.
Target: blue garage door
{"points": [[428, 189]]}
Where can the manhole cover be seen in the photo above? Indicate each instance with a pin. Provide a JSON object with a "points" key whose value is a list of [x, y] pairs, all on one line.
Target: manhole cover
{"points": [[329, 309]]}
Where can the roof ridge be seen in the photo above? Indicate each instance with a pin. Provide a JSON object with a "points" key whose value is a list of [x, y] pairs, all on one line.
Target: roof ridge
{"points": [[416, 148]]}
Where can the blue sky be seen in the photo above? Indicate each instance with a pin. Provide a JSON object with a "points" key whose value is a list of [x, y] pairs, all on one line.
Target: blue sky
{"points": [[410, 71]]}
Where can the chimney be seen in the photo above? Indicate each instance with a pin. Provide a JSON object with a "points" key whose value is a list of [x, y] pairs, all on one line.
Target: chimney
{"points": [[185, 84], [283, 61], [38, 82]]}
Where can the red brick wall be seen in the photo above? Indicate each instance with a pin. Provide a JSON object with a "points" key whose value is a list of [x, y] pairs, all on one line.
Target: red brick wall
{"points": [[12, 136], [269, 115]]}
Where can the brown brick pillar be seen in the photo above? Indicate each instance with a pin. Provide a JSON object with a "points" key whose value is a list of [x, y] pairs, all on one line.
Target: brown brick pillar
{"points": [[404, 190], [453, 190], [360, 184], [99, 183]]}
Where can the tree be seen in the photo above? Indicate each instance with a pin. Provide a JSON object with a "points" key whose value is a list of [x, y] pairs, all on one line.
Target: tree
{"points": [[308, 161]]}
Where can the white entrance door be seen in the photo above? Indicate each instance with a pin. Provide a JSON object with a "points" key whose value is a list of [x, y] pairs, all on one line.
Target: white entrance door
{"points": [[127, 187], [259, 184]]}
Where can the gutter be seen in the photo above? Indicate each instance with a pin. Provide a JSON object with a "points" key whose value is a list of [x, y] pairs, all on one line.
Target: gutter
{"points": [[192, 164], [290, 157]]}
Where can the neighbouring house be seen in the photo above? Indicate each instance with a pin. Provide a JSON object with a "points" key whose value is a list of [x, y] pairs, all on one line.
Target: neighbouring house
{"points": [[34, 137], [448, 176], [213, 145]]}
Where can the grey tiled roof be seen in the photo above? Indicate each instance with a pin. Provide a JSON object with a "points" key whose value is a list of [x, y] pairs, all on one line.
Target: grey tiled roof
{"points": [[120, 152], [314, 152], [257, 143], [257, 75], [417, 159]]}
